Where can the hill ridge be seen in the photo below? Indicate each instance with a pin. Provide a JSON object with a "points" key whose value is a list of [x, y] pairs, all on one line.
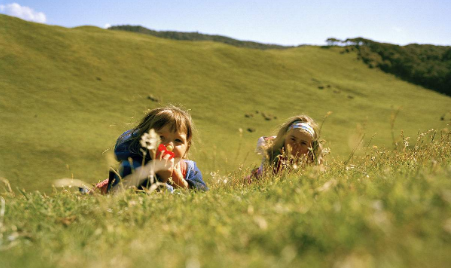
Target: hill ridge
{"points": [[196, 36]]}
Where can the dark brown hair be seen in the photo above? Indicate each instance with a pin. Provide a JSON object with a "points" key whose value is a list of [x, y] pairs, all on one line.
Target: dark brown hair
{"points": [[176, 118]]}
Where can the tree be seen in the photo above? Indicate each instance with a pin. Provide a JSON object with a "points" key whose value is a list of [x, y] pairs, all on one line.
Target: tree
{"points": [[331, 41]]}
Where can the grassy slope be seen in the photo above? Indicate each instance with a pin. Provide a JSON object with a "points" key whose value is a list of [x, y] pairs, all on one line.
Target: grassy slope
{"points": [[68, 93], [390, 209]]}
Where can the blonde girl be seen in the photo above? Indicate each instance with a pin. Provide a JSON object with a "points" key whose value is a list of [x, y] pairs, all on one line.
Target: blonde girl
{"points": [[297, 142]]}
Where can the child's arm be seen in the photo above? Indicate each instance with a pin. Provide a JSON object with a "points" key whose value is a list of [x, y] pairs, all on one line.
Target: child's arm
{"points": [[168, 169], [194, 177]]}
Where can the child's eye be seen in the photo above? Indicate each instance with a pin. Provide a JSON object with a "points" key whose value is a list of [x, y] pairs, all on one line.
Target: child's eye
{"points": [[178, 141]]}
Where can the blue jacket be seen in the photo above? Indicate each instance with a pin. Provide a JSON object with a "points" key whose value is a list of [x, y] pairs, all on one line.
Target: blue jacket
{"points": [[131, 160]]}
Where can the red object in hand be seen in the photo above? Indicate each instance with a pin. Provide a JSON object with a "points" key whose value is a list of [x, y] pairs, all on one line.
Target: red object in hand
{"points": [[163, 150]]}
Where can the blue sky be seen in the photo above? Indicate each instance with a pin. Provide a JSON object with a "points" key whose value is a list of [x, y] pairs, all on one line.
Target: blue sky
{"points": [[285, 22]]}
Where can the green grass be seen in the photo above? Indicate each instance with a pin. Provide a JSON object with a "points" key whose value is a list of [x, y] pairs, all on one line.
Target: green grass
{"points": [[67, 94], [385, 208]]}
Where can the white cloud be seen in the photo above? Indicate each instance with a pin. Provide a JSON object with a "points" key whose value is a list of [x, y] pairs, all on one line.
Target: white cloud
{"points": [[397, 29], [107, 26], [24, 13]]}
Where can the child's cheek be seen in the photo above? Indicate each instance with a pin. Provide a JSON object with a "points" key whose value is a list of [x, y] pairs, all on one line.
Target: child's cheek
{"points": [[179, 152]]}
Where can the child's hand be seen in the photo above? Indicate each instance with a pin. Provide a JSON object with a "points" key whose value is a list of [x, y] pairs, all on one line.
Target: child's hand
{"points": [[164, 164], [177, 177], [167, 168]]}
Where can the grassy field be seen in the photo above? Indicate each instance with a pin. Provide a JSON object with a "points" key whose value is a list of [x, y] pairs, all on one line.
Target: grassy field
{"points": [[382, 199], [385, 208], [67, 94]]}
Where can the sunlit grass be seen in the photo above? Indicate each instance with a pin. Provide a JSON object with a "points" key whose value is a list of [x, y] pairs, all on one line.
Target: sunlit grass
{"points": [[383, 208]]}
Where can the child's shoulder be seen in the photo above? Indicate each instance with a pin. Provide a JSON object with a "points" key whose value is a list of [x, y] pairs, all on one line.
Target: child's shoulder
{"points": [[123, 143], [127, 135], [263, 143], [190, 164], [190, 168]]}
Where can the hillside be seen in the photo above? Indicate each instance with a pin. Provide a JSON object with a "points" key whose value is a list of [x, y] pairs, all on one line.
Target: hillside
{"points": [[67, 94], [425, 65], [195, 36]]}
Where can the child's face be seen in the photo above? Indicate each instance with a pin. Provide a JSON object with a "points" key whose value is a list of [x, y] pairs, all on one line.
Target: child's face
{"points": [[176, 139], [298, 142]]}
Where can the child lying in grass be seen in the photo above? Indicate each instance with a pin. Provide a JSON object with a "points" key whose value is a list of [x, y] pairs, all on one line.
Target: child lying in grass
{"points": [[296, 144], [135, 150]]}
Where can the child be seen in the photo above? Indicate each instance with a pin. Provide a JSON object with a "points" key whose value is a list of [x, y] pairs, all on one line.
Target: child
{"points": [[295, 143], [175, 130]]}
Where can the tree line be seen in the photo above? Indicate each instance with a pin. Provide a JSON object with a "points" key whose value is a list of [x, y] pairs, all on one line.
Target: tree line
{"points": [[425, 65]]}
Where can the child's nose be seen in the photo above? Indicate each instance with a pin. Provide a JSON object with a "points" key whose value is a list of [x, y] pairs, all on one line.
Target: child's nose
{"points": [[170, 143]]}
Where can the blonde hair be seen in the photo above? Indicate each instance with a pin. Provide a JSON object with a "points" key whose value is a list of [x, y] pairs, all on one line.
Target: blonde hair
{"points": [[274, 149], [176, 118]]}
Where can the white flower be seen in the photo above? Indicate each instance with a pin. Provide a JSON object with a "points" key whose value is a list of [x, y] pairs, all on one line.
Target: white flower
{"points": [[149, 140]]}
